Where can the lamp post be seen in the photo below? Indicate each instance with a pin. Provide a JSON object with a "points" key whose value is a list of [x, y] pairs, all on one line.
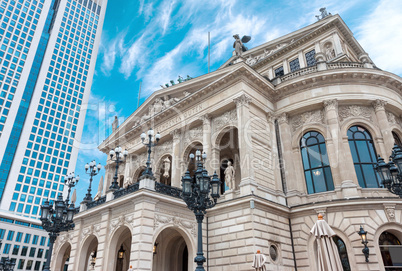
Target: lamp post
{"points": [[55, 220], [200, 193], [70, 180], [391, 172], [363, 236], [118, 152], [92, 170], [7, 265], [151, 143], [93, 260]]}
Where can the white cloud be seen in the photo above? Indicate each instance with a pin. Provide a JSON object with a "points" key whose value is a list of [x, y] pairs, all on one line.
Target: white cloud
{"points": [[165, 14], [380, 36]]}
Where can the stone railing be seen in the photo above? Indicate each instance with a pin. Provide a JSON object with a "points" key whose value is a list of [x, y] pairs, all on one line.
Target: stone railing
{"points": [[95, 203], [312, 69], [298, 73], [342, 65], [168, 190], [130, 189]]}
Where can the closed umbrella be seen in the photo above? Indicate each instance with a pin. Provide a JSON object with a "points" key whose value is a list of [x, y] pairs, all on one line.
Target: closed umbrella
{"points": [[259, 261], [74, 196], [327, 252]]}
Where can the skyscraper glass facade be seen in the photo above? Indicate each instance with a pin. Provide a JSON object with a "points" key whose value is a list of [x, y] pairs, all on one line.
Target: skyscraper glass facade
{"points": [[48, 150]]}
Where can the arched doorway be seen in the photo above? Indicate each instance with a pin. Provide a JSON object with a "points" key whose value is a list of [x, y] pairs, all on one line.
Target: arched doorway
{"points": [[228, 144], [391, 250], [171, 252], [119, 250], [89, 247], [63, 256]]}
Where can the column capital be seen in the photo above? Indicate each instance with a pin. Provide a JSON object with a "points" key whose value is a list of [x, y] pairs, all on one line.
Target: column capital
{"points": [[379, 105], [331, 104], [283, 118], [270, 117], [206, 119], [175, 133], [242, 100]]}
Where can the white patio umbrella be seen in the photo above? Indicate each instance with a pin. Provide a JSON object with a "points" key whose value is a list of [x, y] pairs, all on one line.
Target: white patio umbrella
{"points": [[327, 252], [100, 188]]}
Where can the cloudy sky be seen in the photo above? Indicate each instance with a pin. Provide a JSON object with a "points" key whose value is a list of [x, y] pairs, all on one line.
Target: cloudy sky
{"points": [[155, 41]]}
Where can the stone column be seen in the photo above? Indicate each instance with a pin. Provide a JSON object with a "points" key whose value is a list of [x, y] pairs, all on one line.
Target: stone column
{"points": [[379, 107], [343, 171], [332, 141], [215, 161], [245, 144], [103, 237], [75, 243], [176, 166], [287, 153], [206, 140]]}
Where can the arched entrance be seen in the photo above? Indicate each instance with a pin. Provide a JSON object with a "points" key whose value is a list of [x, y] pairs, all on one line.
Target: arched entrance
{"points": [[88, 250], [63, 256], [119, 250], [171, 252]]}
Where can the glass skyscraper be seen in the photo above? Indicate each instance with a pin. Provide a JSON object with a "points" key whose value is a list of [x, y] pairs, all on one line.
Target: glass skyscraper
{"points": [[48, 50]]}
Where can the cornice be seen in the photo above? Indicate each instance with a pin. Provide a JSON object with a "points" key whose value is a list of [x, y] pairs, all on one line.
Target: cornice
{"points": [[352, 76]]}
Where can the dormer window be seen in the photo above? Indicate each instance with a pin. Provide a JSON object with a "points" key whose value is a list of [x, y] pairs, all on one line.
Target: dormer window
{"points": [[310, 58], [294, 65], [279, 71]]}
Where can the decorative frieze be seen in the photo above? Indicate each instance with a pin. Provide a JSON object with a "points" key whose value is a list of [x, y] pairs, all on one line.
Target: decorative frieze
{"points": [[307, 118], [348, 111], [392, 119], [165, 147]]}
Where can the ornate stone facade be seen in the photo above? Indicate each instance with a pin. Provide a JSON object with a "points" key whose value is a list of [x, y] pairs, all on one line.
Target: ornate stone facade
{"points": [[235, 114]]}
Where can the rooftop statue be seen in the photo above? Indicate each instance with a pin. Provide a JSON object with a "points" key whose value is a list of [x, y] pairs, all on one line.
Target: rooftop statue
{"points": [[239, 44], [324, 14]]}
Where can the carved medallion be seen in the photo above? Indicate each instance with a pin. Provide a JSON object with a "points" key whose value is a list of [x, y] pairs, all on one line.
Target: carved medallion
{"points": [[228, 118]]}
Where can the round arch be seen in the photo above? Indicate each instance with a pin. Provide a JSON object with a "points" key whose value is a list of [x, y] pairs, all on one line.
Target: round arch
{"points": [[89, 245], [216, 138], [373, 130], [62, 255], [398, 132], [120, 237], [173, 244], [191, 146], [298, 134], [392, 227], [137, 173]]}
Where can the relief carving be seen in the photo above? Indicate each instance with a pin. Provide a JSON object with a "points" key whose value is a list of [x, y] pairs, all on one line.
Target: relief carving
{"points": [[267, 52], [349, 111], [390, 212], [306, 118], [193, 134], [379, 105], [165, 147], [176, 220], [229, 117], [283, 118], [242, 100], [392, 119]]}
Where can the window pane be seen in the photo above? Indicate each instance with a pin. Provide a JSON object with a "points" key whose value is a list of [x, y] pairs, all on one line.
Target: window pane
{"points": [[315, 157], [364, 154], [369, 176], [360, 176], [309, 182], [353, 151], [328, 177], [319, 181], [324, 155], [305, 159]]}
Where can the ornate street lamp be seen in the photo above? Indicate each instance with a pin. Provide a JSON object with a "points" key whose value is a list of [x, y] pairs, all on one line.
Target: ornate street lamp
{"points": [[55, 220], [363, 235], [391, 172], [200, 193], [92, 170], [151, 143], [93, 260], [70, 180], [6, 264], [118, 151]]}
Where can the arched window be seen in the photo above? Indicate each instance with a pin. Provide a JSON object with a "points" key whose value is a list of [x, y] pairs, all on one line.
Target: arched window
{"points": [[343, 254], [391, 250], [397, 139], [316, 164], [364, 156]]}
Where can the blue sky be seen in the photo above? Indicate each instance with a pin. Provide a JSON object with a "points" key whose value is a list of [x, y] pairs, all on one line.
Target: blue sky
{"points": [[155, 41]]}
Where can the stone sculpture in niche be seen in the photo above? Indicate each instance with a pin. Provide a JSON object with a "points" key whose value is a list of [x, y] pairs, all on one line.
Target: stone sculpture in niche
{"points": [[166, 167], [329, 51], [230, 176]]}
